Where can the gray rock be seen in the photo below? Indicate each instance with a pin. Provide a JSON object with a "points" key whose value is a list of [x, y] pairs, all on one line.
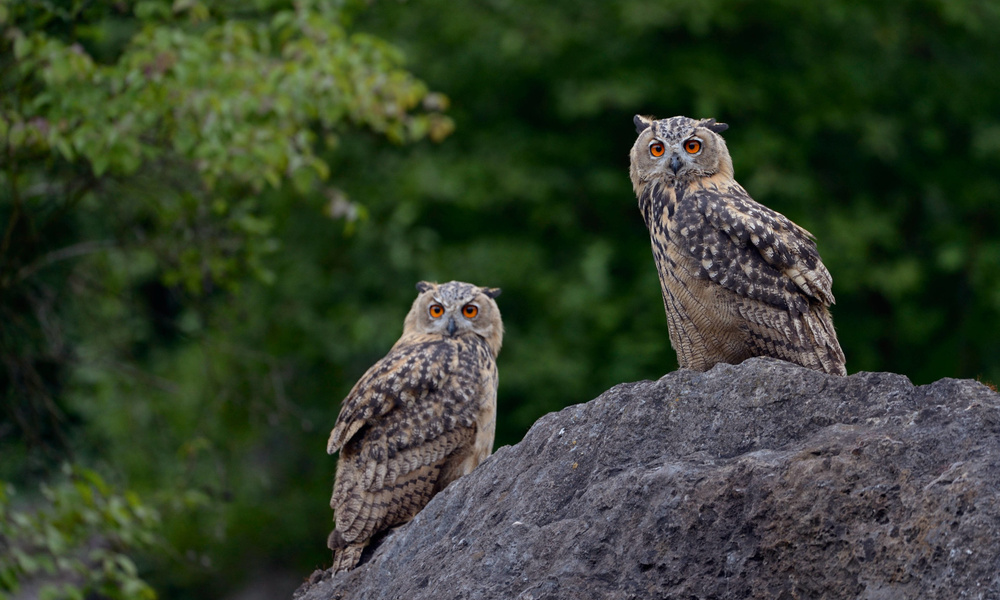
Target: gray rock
{"points": [[762, 480]]}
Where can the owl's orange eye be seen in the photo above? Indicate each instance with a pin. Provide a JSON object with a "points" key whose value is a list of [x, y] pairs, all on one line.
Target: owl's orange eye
{"points": [[470, 310], [692, 146], [656, 149], [436, 310]]}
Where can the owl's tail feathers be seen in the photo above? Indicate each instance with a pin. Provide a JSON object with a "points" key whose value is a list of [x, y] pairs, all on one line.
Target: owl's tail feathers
{"points": [[827, 348], [345, 555]]}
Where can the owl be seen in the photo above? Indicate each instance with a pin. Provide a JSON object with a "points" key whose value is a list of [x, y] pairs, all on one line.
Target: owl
{"points": [[738, 279], [419, 418]]}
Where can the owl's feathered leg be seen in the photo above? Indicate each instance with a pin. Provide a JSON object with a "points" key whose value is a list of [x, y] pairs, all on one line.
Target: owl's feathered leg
{"points": [[345, 556]]}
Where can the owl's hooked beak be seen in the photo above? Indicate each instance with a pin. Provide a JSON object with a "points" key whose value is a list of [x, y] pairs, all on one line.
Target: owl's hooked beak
{"points": [[675, 163], [452, 327]]}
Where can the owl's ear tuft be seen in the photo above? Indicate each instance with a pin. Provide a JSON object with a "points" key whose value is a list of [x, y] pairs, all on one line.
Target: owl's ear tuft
{"points": [[423, 286], [492, 292], [711, 125], [642, 123]]}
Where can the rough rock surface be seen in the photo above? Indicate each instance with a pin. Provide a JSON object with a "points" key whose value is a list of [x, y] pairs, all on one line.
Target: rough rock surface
{"points": [[762, 480]]}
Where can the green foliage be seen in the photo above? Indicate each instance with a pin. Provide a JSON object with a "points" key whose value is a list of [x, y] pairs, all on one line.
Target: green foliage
{"points": [[213, 216], [144, 139], [240, 103], [238, 99], [77, 541], [147, 148]]}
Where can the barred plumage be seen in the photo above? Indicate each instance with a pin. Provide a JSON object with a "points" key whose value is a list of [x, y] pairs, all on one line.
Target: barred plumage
{"points": [[738, 278], [419, 418]]}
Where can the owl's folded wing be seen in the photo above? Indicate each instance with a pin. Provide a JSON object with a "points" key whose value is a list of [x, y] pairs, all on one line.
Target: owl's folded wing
{"points": [[754, 251], [406, 374]]}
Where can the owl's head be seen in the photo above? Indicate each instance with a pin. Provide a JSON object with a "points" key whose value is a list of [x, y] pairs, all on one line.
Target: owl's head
{"points": [[454, 309], [678, 149]]}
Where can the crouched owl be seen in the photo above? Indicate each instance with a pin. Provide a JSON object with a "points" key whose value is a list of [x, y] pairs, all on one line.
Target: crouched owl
{"points": [[419, 418]]}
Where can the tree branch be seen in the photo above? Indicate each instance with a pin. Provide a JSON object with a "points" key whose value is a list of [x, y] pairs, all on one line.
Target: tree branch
{"points": [[60, 255]]}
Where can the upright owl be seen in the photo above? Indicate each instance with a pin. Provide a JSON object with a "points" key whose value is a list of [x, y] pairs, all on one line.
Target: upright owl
{"points": [[738, 278], [419, 418]]}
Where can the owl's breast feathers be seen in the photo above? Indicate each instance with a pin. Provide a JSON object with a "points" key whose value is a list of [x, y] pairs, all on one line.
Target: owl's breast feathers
{"points": [[740, 244]]}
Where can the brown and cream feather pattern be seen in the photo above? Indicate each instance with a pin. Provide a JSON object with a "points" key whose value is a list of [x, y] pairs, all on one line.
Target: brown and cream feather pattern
{"points": [[738, 278], [418, 419]]}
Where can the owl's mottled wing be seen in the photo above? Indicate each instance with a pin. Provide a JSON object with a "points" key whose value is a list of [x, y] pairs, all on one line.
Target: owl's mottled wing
{"points": [[401, 373], [409, 399], [410, 414], [752, 250]]}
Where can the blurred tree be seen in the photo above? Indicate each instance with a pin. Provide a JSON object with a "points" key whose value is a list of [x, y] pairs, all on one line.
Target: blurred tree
{"points": [[214, 317], [75, 543], [149, 137], [142, 144]]}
